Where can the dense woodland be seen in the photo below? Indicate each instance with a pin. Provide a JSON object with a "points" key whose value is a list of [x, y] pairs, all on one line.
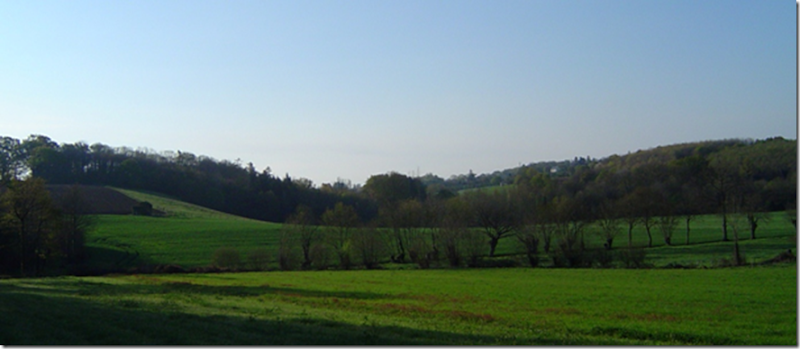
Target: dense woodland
{"points": [[545, 207]]}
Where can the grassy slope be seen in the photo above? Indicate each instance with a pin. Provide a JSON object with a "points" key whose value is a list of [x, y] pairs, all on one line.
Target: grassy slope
{"points": [[187, 236], [190, 234], [176, 208], [507, 306]]}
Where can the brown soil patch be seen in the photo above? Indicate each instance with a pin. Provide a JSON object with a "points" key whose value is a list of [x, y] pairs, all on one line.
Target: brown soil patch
{"points": [[99, 200]]}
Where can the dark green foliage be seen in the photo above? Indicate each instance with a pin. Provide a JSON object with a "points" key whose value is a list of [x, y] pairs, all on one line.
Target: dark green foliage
{"points": [[227, 257], [632, 257], [388, 189], [220, 185], [144, 208], [258, 259], [34, 235]]}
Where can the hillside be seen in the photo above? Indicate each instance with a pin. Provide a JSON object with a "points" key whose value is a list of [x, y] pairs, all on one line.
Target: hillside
{"points": [[98, 199], [768, 153]]}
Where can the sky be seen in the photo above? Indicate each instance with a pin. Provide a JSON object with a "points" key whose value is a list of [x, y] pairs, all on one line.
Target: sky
{"points": [[348, 89]]}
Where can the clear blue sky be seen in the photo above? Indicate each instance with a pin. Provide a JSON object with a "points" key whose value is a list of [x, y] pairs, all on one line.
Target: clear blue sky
{"points": [[326, 89]]}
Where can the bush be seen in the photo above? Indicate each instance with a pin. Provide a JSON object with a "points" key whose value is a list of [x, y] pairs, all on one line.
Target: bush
{"points": [[258, 259], [603, 258], [144, 208], [226, 257], [320, 256], [729, 262], [633, 257], [498, 263], [571, 258], [168, 269]]}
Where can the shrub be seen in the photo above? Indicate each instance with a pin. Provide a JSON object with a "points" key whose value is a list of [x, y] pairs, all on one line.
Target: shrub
{"points": [[571, 258], [258, 259], [168, 269], [603, 258], [368, 247], [226, 257], [320, 256], [144, 208], [498, 263], [632, 257]]}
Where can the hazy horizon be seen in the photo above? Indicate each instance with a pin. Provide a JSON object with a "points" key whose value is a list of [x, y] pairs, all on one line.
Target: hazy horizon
{"points": [[349, 89]]}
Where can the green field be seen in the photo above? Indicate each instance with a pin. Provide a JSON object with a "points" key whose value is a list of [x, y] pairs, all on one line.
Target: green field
{"points": [[751, 305], [189, 235], [173, 240], [741, 306]]}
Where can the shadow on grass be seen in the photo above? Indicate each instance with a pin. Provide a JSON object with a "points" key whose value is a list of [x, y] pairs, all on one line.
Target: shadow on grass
{"points": [[79, 311], [153, 285], [43, 317], [47, 312], [707, 253]]}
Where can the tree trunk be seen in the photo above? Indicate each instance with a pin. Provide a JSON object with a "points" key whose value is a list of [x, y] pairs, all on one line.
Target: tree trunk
{"points": [[724, 227], [753, 225], [533, 259], [649, 236], [401, 258], [687, 229], [609, 242], [547, 239], [630, 235], [493, 245], [668, 240]]}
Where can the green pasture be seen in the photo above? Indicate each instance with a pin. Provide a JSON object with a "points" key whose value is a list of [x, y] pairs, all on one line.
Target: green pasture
{"points": [[124, 241], [732, 306], [189, 235], [128, 240]]}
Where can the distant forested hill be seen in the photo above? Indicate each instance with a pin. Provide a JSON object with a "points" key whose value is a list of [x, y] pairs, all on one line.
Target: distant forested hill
{"points": [[774, 157], [767, 167], [221, 185]]}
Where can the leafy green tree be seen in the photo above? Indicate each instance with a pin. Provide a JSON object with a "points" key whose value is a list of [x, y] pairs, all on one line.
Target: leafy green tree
{"points": [[30, 216], [302, 226], [75, 223], [453, 230], [389, 189], [498, 214], [642, 206], [725, 183], [11, 160], [666, 224], [368, 246], [609, 222], [340, 222]]}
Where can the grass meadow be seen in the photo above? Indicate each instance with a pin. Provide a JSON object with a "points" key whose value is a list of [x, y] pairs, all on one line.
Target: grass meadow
{"points": [[729, 306], [189, 235], [751, 305]]}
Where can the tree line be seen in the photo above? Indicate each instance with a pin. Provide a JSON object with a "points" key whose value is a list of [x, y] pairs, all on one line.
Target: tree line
{"points": [[221, 185], [548, 215], [398, 218], [39, 234]]}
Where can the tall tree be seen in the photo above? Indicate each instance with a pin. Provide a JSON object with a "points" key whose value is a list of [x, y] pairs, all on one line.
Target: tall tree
{"points": [[75, 223], [30, 216], [340, 222], [302, 225], [497, 214], [389, 189], [11, 159]]}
